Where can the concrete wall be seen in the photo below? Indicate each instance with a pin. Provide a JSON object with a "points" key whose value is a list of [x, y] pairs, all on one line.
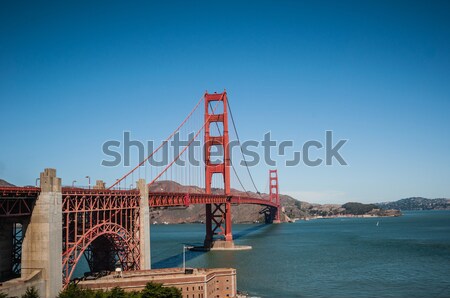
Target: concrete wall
{"points": [[42, 244], [17, 287], [144, 225]]}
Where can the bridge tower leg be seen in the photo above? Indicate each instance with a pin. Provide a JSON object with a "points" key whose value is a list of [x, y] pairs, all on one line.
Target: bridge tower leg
{"points": [[273, 194], [218, 216], [144, 218], [42, 242]]}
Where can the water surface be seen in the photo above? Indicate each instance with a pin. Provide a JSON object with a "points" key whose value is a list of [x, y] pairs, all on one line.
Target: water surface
{"points": [[407, 256]]}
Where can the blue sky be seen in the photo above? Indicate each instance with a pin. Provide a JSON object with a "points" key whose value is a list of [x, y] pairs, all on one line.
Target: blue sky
{"points": [[74, 74]]}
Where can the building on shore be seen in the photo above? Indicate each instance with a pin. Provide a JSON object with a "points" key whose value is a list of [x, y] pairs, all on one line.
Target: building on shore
{"points": [[194, 283]]}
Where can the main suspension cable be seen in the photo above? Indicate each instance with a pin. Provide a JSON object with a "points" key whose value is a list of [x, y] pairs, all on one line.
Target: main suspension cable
{"points": [[240, 147], [232, 165], [160, 146], [185, 148]]}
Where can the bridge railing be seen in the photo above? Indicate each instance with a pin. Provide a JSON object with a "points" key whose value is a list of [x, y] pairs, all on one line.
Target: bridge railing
{"points": [[92, 187]]}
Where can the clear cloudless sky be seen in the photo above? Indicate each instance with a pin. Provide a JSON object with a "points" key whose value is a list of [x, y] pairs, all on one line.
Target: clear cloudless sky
{"points": [[74, 74]]}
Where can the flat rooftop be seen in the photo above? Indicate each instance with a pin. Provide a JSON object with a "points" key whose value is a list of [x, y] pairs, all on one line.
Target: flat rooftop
{"points": [[136, 280]]}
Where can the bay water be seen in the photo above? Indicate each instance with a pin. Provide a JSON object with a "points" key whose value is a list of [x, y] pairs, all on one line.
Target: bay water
{"points": [[407, 256]]}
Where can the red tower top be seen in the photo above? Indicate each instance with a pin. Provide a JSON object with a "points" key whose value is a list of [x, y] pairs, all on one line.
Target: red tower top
{"points": [[273, 193], [211, 102]]}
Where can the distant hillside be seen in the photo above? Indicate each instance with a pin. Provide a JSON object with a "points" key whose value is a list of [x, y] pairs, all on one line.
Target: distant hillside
{"points": [[303, 210], [292, 208], [5, 183], [417, 203], [196, 213]]}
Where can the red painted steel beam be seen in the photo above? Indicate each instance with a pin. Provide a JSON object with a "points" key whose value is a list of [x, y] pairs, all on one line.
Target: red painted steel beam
{"points": [[84, 191], [156, 199], [13, 207], [164, 199], [19, 192], [17, 201]]}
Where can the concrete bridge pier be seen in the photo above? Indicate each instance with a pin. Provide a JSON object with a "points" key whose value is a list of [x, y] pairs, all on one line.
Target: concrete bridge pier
{"points": [[144, 217], [42, 243]]}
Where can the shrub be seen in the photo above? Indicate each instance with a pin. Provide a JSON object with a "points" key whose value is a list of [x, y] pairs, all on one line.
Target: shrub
{"points": [[31, 293], [151, 290], [154, 290]]}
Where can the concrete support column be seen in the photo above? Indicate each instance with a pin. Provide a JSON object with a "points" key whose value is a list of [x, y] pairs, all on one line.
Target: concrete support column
{"points": [[42, 243], [144, 223]]}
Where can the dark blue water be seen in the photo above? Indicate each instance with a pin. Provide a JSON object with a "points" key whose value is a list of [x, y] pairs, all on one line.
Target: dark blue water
{"points": [[408, 256]]}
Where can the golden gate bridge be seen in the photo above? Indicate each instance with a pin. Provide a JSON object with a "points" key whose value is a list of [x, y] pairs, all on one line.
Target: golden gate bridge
{"points": [[109, 225]]}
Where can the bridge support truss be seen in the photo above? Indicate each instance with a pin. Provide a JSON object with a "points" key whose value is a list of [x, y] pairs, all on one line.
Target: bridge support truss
{"points": [[218, 216], [105, 227]]}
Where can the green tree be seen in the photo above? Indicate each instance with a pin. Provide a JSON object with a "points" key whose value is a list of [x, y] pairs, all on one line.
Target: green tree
{"points": [[73, 291], [117, 293], [358, 208], [134, 294], [31, 293], [154, 290]]}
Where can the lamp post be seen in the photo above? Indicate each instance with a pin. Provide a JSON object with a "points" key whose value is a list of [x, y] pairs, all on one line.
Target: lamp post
{"points": [[73, 183], [184, 256], [89, 181]]}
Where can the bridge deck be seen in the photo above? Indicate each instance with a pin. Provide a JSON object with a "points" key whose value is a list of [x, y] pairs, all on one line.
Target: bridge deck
{"points": [[18, 201]]}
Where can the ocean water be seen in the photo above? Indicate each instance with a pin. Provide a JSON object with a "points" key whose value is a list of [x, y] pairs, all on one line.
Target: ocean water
{"points": [[407, 256]]}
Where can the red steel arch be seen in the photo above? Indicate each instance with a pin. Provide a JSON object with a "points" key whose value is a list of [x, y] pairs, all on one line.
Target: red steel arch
{"points": [[90, 214], [125, 246]]}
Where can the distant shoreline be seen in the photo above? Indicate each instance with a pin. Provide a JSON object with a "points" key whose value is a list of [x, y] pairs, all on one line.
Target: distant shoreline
{"points": [[291, 220], [348, 216]]}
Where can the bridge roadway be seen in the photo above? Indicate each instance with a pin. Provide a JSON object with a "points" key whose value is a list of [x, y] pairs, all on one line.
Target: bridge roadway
{"points": [[18, 201]]}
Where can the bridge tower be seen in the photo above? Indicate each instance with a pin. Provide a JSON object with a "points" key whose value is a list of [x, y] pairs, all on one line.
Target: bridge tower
{"points": [[218, 216], [273, 194]]}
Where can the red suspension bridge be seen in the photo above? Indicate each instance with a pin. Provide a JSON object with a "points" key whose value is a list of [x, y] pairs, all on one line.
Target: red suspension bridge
{"points": [[110, 225]]}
